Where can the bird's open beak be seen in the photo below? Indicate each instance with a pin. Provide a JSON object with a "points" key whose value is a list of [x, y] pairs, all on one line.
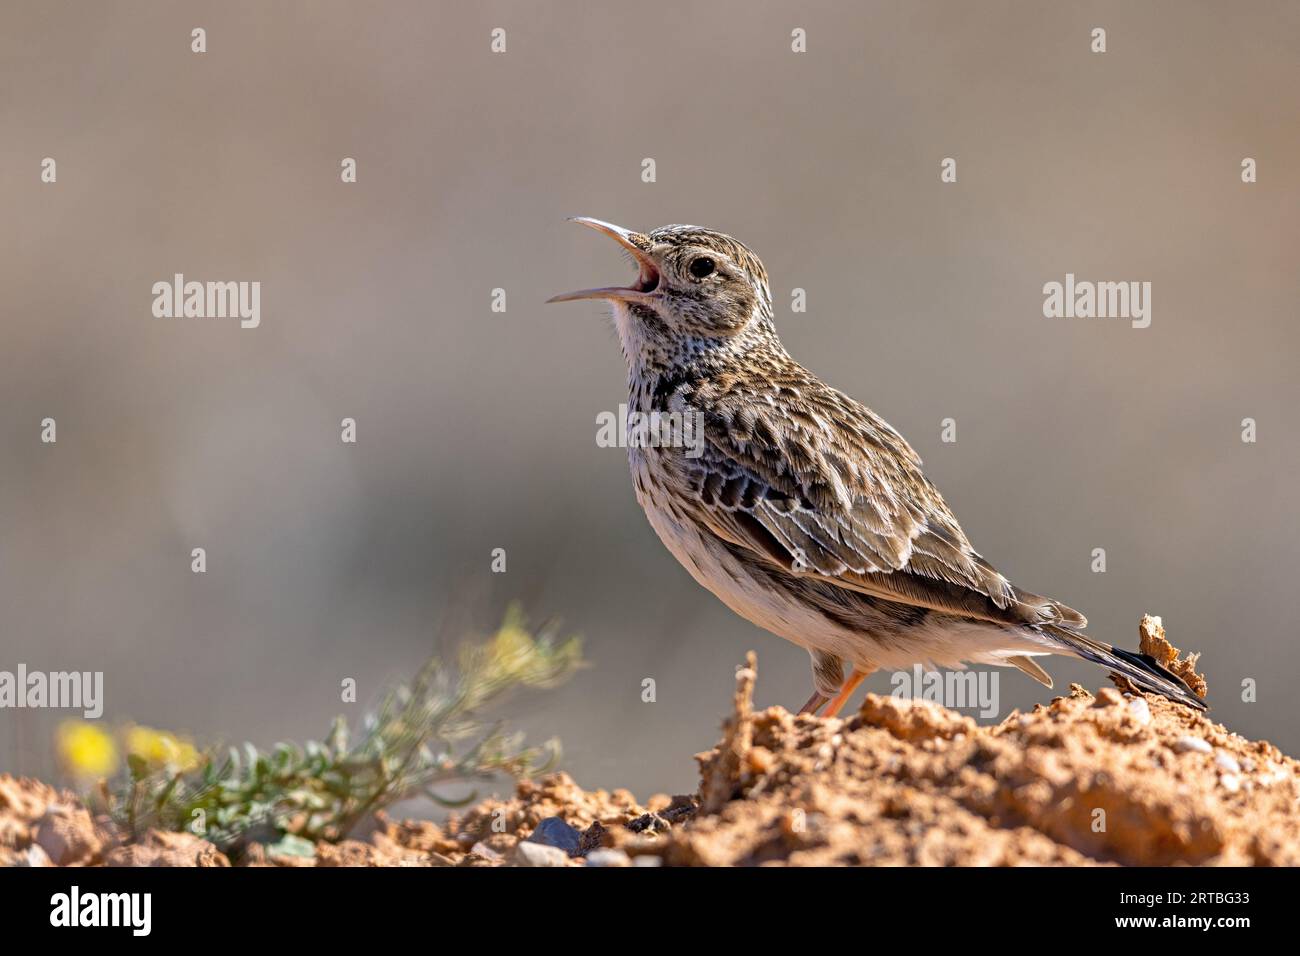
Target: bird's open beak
{"points": [[635, 243]]}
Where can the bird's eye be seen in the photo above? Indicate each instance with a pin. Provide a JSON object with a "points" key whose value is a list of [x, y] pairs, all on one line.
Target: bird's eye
{"points": [[702, 267]]}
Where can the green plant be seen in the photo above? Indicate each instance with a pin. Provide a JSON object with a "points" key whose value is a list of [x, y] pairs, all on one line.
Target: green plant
{"points": [[424, 734]]}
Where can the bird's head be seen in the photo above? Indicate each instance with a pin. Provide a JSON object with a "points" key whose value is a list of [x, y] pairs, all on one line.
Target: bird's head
{"points": [[695, 290]]}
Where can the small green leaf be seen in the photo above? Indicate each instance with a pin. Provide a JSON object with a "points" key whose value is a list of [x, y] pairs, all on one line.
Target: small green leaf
{"points": [[291, 845]]}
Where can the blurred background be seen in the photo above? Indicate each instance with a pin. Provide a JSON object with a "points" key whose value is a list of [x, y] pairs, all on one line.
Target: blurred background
{"points": [[476, 430]]}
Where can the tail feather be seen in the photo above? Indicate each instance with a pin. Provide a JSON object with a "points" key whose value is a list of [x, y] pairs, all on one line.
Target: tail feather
{"points": [[1046, 611], [1141, 669], [1026, 665]]}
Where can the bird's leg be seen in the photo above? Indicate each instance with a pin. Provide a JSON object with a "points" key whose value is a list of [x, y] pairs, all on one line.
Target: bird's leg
{"points": [[828, 675], [814, 702], [856, 676]]}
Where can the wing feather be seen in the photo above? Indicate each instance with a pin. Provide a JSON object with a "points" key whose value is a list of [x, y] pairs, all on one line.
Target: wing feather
{"points": [[819, 484]]}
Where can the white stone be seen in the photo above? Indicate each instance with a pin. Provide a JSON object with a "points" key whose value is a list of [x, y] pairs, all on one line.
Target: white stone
{"points": [[608, 857], [1140, 710], [1226, 762]]}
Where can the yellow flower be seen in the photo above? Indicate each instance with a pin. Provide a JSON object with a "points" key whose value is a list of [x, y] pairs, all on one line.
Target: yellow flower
{"points": [[161, 749], [511, 652], [86, 750], [514, 655]]}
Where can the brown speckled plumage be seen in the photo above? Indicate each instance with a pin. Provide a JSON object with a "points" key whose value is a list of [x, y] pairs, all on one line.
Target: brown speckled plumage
{"points": [[803, 510]]}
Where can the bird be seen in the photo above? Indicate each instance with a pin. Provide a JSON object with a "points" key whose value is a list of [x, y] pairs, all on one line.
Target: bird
{"points": [[801, 509]]}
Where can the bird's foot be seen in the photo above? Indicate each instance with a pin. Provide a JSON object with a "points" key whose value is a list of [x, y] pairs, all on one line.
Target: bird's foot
{"points": [[815, 702], [856, 676]]}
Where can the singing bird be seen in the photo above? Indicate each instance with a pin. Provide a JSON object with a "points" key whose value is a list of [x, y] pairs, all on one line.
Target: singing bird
{"points": [[801, 509]]}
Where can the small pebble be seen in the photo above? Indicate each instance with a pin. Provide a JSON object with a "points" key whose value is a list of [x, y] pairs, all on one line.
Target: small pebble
{"points": [[1273, 773], [485, 851], [760, 760], [1226, 762], [647, 859], [1192, 745], [1140, 710], [553, 831], [34, 856], [1247, 764], [608, 857], [1231, 782], [539, 854]]}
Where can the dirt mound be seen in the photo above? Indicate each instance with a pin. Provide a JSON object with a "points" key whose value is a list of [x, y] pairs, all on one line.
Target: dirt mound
{"points": [[1111, 778], [1086, 780]]}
